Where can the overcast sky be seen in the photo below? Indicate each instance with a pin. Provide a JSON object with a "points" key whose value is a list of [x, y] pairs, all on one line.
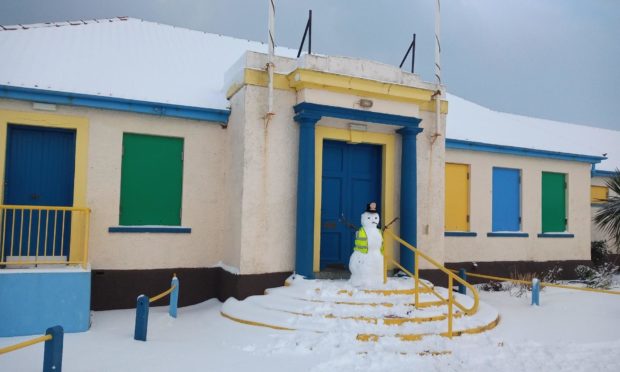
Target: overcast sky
{"points": [[555, 59]]}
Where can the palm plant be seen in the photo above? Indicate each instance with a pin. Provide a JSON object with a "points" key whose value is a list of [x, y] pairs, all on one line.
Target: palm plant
{"points": [[607, 218]]}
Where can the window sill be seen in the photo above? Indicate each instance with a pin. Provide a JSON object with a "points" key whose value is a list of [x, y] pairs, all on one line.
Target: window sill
{"points": [[150, 229], [508, 235], [460, 233], [556, 235]]}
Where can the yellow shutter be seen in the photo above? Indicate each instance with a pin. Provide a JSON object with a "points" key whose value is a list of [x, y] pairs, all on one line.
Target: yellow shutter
{"points": [[598, 194], [457, 197]]}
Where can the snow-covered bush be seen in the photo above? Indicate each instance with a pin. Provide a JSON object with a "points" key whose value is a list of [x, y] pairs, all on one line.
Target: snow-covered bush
{"points": [[492, 286], [599, 253], [597, 277]]}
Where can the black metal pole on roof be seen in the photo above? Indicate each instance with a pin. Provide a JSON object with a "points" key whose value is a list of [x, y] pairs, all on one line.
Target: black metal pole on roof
{"points": [[307, 32], [412, 50], [310, 35], [413, 54]]}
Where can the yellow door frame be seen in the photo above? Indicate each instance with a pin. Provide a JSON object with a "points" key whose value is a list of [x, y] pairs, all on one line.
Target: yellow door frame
{"points": [[387, 141], [81, 127]]}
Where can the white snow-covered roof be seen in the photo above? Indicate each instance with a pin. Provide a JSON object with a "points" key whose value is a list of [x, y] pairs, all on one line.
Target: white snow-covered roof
{"points": [[471, 122], [146, 61], [123, 58]]}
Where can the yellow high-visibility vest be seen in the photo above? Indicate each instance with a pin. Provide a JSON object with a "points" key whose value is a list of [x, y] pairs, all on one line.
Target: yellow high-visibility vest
{"points": [[361, 241]]}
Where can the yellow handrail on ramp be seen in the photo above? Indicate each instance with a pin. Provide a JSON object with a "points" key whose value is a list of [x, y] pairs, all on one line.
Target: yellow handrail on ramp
{"points": [[543, 284], [450, 301], [24, 344]]}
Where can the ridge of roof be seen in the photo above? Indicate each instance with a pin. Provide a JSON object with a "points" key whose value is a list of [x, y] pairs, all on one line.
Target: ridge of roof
{"points": [[29, 26], [83, 22]]}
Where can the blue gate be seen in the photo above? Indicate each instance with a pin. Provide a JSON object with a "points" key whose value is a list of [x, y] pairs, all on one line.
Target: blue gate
{"points": [[351, 179], [39, 171]]}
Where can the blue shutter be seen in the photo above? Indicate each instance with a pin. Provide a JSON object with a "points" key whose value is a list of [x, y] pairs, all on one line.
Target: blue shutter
{"points": [[506, 199]]}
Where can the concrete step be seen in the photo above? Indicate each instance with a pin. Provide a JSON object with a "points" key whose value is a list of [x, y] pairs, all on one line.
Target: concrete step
{"points": [[369, 313]]}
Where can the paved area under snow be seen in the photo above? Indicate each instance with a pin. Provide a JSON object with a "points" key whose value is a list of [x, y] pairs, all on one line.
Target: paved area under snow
{"points": [[574, 331]]}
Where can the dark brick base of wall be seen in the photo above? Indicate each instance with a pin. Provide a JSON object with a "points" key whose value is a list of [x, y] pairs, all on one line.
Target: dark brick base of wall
{"points": [[118, 289], [504, 269]]}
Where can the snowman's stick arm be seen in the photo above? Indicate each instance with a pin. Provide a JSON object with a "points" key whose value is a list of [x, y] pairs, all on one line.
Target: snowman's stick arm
{"points": [[391, 222], [347, 223]]}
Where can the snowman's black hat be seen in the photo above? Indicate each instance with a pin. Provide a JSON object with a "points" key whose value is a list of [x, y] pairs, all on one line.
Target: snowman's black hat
{"points": [[371, 207]]}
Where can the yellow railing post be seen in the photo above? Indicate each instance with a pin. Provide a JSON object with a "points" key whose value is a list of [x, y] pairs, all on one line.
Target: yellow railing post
{"points": [[86, 235], [14, 252], [416, 279], [450, 299]]}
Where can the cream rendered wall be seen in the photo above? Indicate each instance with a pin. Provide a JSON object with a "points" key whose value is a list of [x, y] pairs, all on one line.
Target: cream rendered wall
{"points": [[431, 155], [233, 180], [483, 248], [204, 209], [269, 195]]}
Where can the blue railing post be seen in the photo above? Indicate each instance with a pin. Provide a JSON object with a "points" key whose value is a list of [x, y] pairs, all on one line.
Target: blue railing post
{"points": [[52, 355], [142, 318], [174, 297], [462, 288], [535, 292]]}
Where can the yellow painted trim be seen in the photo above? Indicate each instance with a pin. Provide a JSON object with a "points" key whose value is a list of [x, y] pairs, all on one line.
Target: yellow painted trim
{"points": [[257, 324], [418, 337], [259, 78], [81, 126], [387, 141], [386, 292], [311, 79]]}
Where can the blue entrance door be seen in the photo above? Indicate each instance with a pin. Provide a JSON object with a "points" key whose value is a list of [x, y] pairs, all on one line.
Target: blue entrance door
{"points": [[351, 179], [39, 171]]}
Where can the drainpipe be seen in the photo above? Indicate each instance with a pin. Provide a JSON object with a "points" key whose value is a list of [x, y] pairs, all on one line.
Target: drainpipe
{"points": [[270, 58]]}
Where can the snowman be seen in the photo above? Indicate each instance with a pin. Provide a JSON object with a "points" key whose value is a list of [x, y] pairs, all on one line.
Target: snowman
{"points": [[366, 262]]}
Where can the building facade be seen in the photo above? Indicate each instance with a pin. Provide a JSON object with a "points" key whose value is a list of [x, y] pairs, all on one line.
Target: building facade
{"points": [[168, 162]]}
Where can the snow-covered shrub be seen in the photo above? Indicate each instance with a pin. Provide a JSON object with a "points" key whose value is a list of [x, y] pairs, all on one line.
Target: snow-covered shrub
{"points": [[597, 277], [518, 289], [599, 253], [552, 275], [492, 286]]}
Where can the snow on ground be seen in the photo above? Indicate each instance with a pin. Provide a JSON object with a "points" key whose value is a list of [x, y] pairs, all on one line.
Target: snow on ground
{"points": [[576, 331]]}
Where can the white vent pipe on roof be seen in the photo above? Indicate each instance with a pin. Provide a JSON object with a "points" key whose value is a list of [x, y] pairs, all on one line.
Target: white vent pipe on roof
{"points": [[270, 59], [438, 93]]}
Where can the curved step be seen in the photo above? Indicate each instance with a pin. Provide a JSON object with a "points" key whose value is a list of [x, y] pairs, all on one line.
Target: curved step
{"points": [[255, 310], [396, 314], [318, 306]]}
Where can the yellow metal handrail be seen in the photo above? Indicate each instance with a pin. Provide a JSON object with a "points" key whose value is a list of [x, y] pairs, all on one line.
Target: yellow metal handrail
{"points": [[542, 284], [24, 344], [43, 235], [163, 294], [450, 301]]}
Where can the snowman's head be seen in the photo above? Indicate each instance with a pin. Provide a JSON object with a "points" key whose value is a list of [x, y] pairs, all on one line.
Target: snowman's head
{"points": [[370, 220]]}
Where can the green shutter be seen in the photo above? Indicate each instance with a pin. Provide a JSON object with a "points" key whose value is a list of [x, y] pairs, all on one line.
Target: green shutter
{"points": [[151, 180], [553, 202]]}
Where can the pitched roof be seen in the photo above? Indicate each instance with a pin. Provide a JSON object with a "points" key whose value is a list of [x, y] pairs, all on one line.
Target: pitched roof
{"points": [[471, 122], [122, 58], [133, 59]]}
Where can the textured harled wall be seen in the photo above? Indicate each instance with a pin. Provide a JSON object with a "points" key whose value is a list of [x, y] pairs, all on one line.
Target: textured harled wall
{"points": [[205, 210], [531, 248], [269, 197]]}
